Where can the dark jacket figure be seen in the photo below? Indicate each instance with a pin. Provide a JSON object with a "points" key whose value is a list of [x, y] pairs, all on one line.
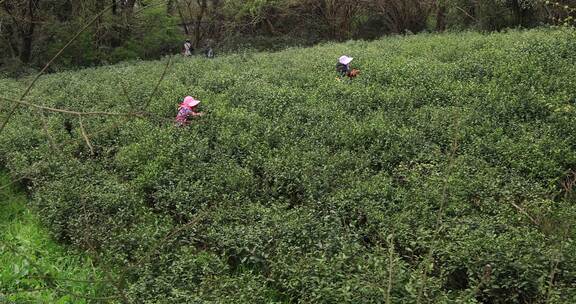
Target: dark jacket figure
{"points": [[209, 52], [342, 69], [187, 50]]}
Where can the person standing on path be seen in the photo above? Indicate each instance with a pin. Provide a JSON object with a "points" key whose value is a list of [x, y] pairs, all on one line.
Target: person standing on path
{"points": [[187, 48]]}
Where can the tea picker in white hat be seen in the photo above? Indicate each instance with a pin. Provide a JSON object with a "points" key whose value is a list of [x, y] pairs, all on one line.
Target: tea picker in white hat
{"points": [[343, 67]]}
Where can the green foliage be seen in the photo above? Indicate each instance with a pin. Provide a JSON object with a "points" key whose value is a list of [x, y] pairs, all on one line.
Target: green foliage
{"points": [[33, 269], [444, 172], [151, 29], [154, 35]]}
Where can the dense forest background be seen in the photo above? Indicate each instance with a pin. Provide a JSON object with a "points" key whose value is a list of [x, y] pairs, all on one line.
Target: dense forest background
{"points": [[33, 31]]}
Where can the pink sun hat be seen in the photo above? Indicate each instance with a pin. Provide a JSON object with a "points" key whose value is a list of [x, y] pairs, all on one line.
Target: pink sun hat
{"points": [[189, 102], [345, 59]]}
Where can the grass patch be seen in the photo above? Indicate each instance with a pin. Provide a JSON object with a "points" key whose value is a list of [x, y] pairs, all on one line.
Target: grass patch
{"points": [[33, 268]]}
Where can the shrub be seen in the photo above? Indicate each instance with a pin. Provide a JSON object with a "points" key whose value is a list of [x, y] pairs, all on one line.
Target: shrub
{"points": [[444, 170]]}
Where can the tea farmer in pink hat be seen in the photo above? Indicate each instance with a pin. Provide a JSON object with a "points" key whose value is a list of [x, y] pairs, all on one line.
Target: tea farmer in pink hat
{"points": [[343, 67], [187, 108]]}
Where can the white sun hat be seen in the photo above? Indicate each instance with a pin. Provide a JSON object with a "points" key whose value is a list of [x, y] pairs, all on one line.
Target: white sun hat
{"points": [[345, 59]]}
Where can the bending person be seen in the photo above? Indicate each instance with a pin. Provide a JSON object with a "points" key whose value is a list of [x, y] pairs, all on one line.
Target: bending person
{"points": [[187, 109], [343, 67]]}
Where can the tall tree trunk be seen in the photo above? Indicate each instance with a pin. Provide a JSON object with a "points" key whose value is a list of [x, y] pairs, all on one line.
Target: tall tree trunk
{"points": [[182, 19], [441, 16], [517, 11], [523, 16], [128, 7], [202, 4], [127, 11], [13, 45], [170, 7], [28, 31], [13, 29], [100, 6], [270, 26], [216, 17], [26, 53]]}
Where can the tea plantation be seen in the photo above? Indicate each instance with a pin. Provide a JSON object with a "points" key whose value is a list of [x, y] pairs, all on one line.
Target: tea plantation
{"points": [[444, 173]]}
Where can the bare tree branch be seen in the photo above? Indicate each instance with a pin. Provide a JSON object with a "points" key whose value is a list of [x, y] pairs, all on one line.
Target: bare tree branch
{"points": [[27, 290], [47, 131], [523, 211], [13, 182], [467, 14], [67, 279], [13, 110], [77, 113], [86, 139], [390, 241], [125, 92], [158, 83], [451, 162], [169, 236], [79, 296]]}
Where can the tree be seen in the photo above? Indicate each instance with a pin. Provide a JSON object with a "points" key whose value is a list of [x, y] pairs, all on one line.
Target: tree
{"points": [[402, 15], [24, 16], [441, 10], [338, 15], [524, 11]]}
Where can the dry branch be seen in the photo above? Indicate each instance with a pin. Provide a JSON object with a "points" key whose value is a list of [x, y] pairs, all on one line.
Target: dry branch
{"points": [[13, 182], [125, 92], [86, 139], [67, 279], [16, 106], [158, 83], [80, 115], [79, 296], [91, 113], [76, 113], [534, 221], [486, 277], [31, 169], [554, 269], [466, 13], [27, 290], [168, 237], [47, 131], [451, 158], [390, 267]]}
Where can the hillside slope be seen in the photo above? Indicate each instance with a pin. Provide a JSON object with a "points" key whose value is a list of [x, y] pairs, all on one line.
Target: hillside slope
{"points": [[444, 173]]}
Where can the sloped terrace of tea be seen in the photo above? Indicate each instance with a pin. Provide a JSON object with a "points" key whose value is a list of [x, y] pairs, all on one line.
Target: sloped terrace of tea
{"points": [[444, 172]]}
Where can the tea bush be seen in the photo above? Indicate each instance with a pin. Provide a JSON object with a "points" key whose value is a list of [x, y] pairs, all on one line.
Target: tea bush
{"points": [[443, 173], [34, 268]]}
